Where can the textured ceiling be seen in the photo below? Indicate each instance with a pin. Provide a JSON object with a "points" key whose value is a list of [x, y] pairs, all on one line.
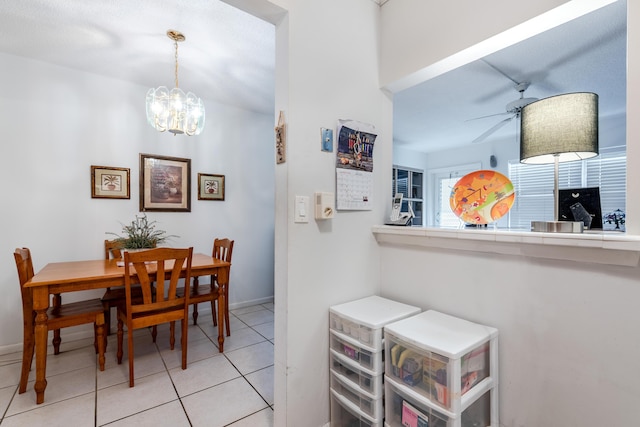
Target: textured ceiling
{"points": [[228, 55]]}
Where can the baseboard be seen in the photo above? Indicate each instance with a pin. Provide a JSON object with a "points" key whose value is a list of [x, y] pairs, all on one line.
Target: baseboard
{"points": [[66, 337], [206, 308], [243, 304]]}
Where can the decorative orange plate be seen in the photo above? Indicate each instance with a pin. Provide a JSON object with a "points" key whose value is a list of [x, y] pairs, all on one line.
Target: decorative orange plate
{"points": [[482, 197]]}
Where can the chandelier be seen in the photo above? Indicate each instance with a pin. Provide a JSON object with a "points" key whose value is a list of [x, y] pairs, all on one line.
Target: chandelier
{"points": [[172, 110]]}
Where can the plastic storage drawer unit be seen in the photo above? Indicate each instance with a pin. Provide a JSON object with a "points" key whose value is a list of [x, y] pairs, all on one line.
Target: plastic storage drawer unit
{"points": [[365, 318], [366, 356], [368, 381], [367, 403], [404, 407], [346, 414], [441, 357]]}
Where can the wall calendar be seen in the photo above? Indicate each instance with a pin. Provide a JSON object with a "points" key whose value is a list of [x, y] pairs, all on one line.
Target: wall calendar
{"points": [[354, 165]]}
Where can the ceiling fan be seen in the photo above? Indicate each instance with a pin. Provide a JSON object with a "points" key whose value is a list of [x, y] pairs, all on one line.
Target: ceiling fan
{"points": [[513, 109]]}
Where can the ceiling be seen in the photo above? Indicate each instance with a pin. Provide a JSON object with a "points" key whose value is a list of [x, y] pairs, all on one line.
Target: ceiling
{"points": [[228, 55], [585, 55]]}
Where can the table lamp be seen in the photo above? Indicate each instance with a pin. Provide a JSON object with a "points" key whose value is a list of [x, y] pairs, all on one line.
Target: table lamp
{"points": [[560, 128]]}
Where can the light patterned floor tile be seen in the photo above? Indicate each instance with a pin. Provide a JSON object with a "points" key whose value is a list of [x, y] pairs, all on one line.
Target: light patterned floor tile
{"points": [[212, 389], [197, 350], [240, 338], [59, 387], [10, 374], [6, 394], [269, 306], [203, 374], [252, 358], [122, 401], [256, 317], [223, 404], [147, 361], [265, 329], [263, 418], [78, 411], [212, 331], [262, 381], [169, 414], [69, 360]]}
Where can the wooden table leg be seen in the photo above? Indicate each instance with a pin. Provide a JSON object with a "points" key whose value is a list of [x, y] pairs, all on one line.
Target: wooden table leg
{"points": [[40, 305], [223, 280], [195, 306]]}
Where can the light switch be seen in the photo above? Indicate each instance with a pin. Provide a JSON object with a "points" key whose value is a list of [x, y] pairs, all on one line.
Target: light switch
{"points": [[301, 209]]}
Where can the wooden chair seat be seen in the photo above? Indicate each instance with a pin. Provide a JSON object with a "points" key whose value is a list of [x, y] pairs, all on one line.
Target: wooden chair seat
{"points": [[200, 293], [69, 314], [58, 316], [117, 294]]}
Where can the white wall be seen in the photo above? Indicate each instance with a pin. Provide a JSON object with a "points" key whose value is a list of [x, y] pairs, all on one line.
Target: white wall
{"points": [[58, 122], [567, 329], [326, 69]]}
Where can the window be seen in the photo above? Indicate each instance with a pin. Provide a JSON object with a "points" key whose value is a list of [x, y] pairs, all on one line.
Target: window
{"points": [[444, 181], [445, 216], [409, 183], [534, 185]]}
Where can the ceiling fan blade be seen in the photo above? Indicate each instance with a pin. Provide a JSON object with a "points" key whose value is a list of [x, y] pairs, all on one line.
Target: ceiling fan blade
{"points": [[493, 129], [500, 71], [490, 115]]}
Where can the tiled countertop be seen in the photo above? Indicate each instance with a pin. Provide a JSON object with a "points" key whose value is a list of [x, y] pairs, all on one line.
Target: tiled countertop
{"points": [[606, 247]]}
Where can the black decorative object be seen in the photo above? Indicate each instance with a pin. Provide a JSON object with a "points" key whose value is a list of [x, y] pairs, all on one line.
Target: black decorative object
{"points": [[581, 204]]}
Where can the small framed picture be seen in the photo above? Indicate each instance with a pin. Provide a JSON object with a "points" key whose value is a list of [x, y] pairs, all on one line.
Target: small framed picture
{"points": [[110, 183], [210, 187], [165, 184]]}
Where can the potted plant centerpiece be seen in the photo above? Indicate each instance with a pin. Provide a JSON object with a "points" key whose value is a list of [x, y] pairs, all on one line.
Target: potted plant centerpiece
{"points": [[141, 234]]}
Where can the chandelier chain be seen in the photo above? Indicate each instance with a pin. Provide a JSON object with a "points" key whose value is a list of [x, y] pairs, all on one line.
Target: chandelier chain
{"points": [[176, 45]]}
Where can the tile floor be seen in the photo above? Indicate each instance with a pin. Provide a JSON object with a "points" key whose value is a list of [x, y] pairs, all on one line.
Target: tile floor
{"points": [[234, 388]]}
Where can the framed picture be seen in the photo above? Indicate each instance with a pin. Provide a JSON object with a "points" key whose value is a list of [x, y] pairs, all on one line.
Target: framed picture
{"points": [[580, 204], [110, 183], [165, 184], [210, 187]]}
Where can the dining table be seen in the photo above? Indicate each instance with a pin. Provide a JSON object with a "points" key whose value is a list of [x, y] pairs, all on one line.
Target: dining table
{"points": [[73, 276]]}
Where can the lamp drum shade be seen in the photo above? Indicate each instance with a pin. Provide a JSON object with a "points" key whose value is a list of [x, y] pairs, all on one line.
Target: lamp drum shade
{"points": [[565, 126]]}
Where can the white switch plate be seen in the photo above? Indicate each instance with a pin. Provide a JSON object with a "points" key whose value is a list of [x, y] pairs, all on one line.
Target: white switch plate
{"points": [[301, 209]]}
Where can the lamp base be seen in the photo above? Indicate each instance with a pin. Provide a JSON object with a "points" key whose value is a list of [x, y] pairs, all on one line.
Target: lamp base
{"points": [[557, 226]]}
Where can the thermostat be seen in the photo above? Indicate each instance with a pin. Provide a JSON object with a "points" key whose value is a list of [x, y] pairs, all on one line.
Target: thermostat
{"points": [[325, 205]]}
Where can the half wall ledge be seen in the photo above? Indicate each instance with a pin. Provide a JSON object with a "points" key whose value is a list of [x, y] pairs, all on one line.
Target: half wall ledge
{"points": [[611, 248]]}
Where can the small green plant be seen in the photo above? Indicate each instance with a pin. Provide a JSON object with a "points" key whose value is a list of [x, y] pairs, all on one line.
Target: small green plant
{"points": [[141, 233]]}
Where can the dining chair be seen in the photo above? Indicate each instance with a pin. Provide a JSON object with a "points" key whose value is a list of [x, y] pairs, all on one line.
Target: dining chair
{"points": [[114, 296], [58, 317], [154, 308], [222, 249]]}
